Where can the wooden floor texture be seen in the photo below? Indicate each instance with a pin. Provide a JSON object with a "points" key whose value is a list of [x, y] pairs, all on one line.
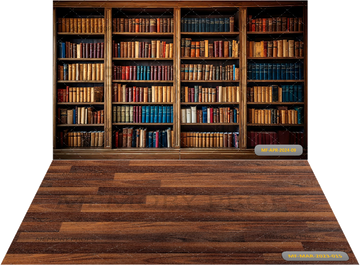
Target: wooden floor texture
{"points": [[176, 212]]}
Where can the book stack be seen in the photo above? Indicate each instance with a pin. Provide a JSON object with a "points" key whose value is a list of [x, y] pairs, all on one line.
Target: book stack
{"points": [[220, 48], [209, 72], [207, 24], [209, 139], [274, 24], [81, 50], [143, 24], [210, 94], [122, 93], [280, 137], [143, 49], [142, 138], [275, 48], [80, 94], [275, 71], [81, 115], [275, 93], [142, 114], [81, 72], [81, 139], [209, 115], [143, 72], [280, 115], [81, 25]]}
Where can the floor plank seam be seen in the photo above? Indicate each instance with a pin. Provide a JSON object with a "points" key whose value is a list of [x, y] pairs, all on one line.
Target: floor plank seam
{"points": [[22, 216]]}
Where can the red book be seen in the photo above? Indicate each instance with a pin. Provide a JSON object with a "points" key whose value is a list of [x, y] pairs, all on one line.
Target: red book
{"points": [[211, 115], [155, 73], [164, 48], [67, 94], [216, 49], [253, 25], [127, 92], [127, 72], [134, 94], [123, 72], [283, 137], [220, 48], [114, 72], [102, 49], [134, 72], [267, 138], [157, 139], [192, 95], [265, 48], [118, 72], [166, 73], [158, 25], [130, 73], [115, 50], [115, 94], [288, 24], [264, 24], [140, 114], [90, 50], [149, 51], [117, 139], [249, 22], [98, 50], [61, 139], [152, 72], [137, 94], [83, 45], [162, 72], [98, 117]]}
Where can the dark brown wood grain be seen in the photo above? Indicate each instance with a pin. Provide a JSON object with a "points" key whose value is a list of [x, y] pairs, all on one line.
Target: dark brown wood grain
{"points": [[176, 212]]}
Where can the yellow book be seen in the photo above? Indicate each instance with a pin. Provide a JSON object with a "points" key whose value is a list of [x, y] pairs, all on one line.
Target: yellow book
{"points": [[206, 48]]}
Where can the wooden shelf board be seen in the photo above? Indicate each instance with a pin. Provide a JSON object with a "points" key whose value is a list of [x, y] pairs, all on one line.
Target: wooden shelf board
{"points": [[273, 32], [275, 103], [80, 125], [80, 103], [78, 81], [275, 81], [210, 58], [274, 125], [209, 103], [142, 103], [212, 124], [275, 58], [142, 59], [81, 59], [145, 34], [144, 81], [147, 124]]}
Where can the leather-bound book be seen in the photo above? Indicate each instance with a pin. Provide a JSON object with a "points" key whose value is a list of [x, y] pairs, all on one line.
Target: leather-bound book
{"points": [[226, 49], [301, 49], [193, 49], [220, 47], [284, 24], [137, 25], [211, 50], [278, 24], [231, 24], [216, 48], [168, 23], [197, 49], [291, 48], [152, 25], [299, 24]]}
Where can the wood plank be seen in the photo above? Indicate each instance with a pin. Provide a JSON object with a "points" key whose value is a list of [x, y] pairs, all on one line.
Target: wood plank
{"points": [[68, 190]]}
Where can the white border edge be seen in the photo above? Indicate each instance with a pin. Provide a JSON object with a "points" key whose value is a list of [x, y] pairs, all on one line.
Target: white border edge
{"points": [[32, 196], [332, 206]]}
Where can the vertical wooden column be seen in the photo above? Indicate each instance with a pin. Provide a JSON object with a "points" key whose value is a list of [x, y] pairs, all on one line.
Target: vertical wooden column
{"points": [[108, 79], [54, 77], [305, 32], [243, 78], [177, 87]]}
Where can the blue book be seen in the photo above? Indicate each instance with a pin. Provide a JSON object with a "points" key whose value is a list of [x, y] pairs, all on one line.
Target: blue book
{"points": [[63, 55], [182, 24], [65, 71], [74, 116], [234, 72], [291, 94], [203, 24], [184, 28], [156, 114], [119, 51], [274, 68], [196, 24], [261, 72], [221, 24], [216, 24], [152, 111], [212, 25], [196, 95], [204, 112], [257, 71], [296, 75], [287, 74], [235, 114], [163, 139], [301, 71], [193, 25], [283, 71], [138, 72], [249, 71], [150, 140], [171, 114], [266, 77], [283, 93], [207, 26], [154, 139], [300, 93], [270, 72], [300, 114], [168, 113], [145, 72], [278, 71], [163, 115], [253, 71], [148, 72], [227, 24], [143, 114], [147, 114]]}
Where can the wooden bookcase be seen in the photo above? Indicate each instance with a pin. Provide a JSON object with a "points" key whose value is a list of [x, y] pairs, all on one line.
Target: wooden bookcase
{"points": [[176, 10]]}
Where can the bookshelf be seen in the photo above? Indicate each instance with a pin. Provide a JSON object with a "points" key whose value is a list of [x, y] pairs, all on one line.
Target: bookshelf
{"points": [[112, 33]]}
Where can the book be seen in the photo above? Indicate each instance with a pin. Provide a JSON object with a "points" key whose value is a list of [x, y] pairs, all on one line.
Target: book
{"points": [[81, 72], [209, 72], [128, 24], [143, 72], [123, 93], [208, 94], [80, 115], [81, 50], [279, 115], [143, 49]]}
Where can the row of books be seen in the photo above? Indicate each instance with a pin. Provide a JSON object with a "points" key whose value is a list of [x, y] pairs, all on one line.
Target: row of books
{"points": [[220, 48], [143, 72], [210, 94], [275, 71], [274, 24], [209, 139], [143, 49], [81, 25], [275, 48], [81, 139], [142, 138], [209, 72], [80, 94], [275, 93], [81, 50], [81, 115], [280, 137], [122, 93], [209, 115], [161, 24], [280, 115], [207, 24], [81, 71], [143, 114]]}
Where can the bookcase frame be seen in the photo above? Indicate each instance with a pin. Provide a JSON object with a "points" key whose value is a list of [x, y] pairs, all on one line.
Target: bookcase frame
{"points": [[108, 152]]}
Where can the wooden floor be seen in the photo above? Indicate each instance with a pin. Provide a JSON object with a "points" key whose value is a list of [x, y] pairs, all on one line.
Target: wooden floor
{"points": [[176, 212]]}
